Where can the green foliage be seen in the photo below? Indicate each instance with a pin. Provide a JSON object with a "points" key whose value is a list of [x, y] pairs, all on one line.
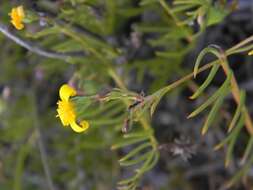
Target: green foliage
{"points": [[216, 101], [121, 135]]}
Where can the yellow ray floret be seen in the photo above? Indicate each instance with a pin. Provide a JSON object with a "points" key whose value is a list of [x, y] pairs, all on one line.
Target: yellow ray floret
{"points": [[66, 111], [17, 15], [251, 52]]}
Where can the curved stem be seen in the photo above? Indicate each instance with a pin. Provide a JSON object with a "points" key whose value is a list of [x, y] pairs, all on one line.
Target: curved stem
{"points": [[209, 65], [143, 120], [35, 48], [235, 87], [236, 94]]}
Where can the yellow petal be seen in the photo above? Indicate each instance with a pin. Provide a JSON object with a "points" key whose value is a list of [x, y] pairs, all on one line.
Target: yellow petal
{"points": [[85, 124], [79, 128], [18, 25], [64, 120], [66, 112], [21, 12], [66, 91], [251, 52], [13, 14], [17, 15]]}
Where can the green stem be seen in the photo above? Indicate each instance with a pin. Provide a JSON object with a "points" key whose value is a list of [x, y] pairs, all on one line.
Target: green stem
{"points": [[22, 154], [173, 16], [143, 121], [43, 154], [186, 78], [86, 47]]}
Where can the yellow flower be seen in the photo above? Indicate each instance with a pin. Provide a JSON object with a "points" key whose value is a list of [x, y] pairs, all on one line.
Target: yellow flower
{"points": [[17, 16], [66, 111], [251, 52]]}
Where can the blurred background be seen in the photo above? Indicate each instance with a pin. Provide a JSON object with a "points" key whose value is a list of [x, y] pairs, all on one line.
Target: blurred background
{"points": [[149, 50]]}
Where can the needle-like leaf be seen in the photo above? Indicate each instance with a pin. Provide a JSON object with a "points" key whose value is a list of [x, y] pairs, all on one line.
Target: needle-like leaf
{"points": [[207, 81], [135, 151], [248, 150], [210, 100], [127, 142], [238, 111], [213, 113], [214, 49], [233, 140]]}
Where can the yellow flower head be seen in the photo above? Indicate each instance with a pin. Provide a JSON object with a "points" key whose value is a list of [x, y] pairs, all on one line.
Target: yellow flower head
{"points": [[17, 15], [66, 111], [251, 52]]}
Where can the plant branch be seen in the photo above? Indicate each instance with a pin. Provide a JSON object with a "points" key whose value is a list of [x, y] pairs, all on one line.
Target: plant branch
{"points": [[236, 94], [41, 146], [235, 87], [35, 48], [169, 12], [173, 16], [143, 120], [44, 160]]}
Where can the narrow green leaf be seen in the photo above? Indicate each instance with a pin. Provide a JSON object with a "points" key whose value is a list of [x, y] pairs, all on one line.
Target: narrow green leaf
{"points": [[214, 49], [142, 133], [207, 81], [131, 12], [117, 110], [67, 45], [107, 121], [133, 186], [20, 162], [135, 161], [127, 142], [154, 105], [127, 181], [248, 150], [182, 8], [216, 15], [94, 113], [223, 142], [44, 32], [23, 152], [185, 2], [233, 140], [158, 96], [146, 2], [240, 50], [210, 100], [213, 113], [135, 151], [238, 111], [146, 164], [152, 164], [120, 94], [226, 140], [240, 174]]}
